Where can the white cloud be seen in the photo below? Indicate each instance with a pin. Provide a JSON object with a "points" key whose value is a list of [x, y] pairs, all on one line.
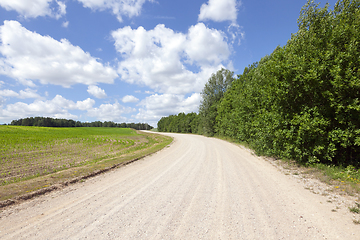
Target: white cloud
{"points": [[58, 107], [30, 56], [156, 106], [85, 105], [219, 10], [157, 58], [35, 8], [65, 24], [8, 93], [129, 8], [206, 46], [110, 112], [129, 98], [96, 91], [27, 93], [236, 33], [62, 9]]}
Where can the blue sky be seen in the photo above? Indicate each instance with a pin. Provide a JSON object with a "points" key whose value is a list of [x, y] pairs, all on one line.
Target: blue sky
{"points": [[128, 60]]}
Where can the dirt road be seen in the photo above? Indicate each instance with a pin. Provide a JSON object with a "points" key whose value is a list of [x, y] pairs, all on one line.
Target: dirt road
{"points": [[198, 188]]}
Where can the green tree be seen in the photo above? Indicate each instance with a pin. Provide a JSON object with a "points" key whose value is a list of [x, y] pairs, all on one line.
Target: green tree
{"points": [[302, 101], [211, 95]]}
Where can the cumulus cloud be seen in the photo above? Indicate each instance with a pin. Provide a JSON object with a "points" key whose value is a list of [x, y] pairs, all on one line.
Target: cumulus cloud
{"points": [[129, 8], [206, 46], [158, 58], [83, 105], [219, 10], [129, 98], [58, 107], [156, 106], [110, 112], [8, 93], [29, 56], [35, 8], [27, 93], [96, 91]]}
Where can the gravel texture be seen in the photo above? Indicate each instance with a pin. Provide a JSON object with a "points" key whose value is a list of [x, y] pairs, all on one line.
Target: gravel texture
{"points": [[198, 188]]}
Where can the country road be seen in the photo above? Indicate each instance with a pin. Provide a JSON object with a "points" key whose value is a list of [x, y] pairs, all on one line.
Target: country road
{"points": [[197, 188]]}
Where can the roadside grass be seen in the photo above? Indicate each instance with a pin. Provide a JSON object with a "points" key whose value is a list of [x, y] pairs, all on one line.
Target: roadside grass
{"points": [[346, 179], [355, 209], [33, 158]]}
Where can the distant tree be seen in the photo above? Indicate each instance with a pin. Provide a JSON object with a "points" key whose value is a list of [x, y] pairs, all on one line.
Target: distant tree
{"points": [[25, 122]]}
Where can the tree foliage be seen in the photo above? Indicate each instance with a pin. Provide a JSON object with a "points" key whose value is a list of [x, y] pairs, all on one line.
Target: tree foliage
{"points": [[212, 93], [302, 101]]}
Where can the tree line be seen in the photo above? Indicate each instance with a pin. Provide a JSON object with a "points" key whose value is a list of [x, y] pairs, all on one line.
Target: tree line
{"points": [[181, 123], [301, 102], [55, 122]]}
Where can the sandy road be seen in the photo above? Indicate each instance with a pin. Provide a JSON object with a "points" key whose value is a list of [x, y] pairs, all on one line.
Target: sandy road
{"points": [[198, 188]]}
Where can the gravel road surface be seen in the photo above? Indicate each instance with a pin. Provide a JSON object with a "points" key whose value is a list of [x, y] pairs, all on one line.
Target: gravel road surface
{"points": [[198, 188]]}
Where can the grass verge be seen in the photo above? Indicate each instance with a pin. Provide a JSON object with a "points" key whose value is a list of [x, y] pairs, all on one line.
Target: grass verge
{"points": [[345, 179]]}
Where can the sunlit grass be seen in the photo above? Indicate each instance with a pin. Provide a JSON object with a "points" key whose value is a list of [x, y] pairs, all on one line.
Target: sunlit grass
{"points": [[347, 174]]}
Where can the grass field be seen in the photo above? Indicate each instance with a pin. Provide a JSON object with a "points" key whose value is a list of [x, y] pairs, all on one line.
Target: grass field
{"points": [[32, 152]]}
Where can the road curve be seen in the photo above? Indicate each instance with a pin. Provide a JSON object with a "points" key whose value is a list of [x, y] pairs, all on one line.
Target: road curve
{"points": [[198, 188]]}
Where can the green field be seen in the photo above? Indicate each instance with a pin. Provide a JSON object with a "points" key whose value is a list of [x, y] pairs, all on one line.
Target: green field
{"points": [[30, 152]]}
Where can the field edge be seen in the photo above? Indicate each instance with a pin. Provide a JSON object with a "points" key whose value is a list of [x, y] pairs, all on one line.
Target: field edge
{"points": [[40, 186]]}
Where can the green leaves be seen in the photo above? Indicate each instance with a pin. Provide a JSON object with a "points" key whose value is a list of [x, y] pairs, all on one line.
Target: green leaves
{"points": [[302, 101], [212, 93]]}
